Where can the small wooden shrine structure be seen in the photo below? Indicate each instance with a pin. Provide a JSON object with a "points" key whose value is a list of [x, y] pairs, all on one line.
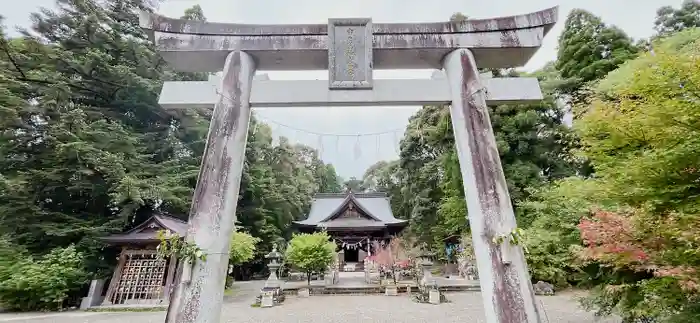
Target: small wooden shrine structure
{"points": [[140, 276], [355, 221]]}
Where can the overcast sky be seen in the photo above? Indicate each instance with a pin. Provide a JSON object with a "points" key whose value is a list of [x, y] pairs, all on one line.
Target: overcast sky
{"points": [[304, 124]]}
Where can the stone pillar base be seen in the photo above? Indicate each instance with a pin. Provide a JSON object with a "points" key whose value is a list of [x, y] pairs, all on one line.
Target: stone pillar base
{"points": [[434, 297]]}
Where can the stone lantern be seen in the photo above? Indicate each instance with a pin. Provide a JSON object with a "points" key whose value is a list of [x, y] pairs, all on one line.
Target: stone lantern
{"points": [[272, 293], [273, 265], [426, 262]]}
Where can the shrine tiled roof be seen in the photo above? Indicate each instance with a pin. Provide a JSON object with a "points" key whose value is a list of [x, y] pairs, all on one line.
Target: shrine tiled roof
{"points": [[147, 232], [325, 208], [351, 223]]}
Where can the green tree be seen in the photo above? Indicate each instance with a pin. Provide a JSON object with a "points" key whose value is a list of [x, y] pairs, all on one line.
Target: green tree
{"points": [[588, 50], [670, 20], [43, 284], [85, 149], [533, 143], [633, 225], [648, 129], [329, 181], [310, 253], [354, 184], [197, 14], [242, 248], [194, 13]]}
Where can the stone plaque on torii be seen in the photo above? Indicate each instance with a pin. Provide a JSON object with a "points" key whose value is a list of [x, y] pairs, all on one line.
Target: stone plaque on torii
{"points": [[350, 49]]}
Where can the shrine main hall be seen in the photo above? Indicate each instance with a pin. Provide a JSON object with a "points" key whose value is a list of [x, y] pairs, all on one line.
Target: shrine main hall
{"points": [[355, 221]]}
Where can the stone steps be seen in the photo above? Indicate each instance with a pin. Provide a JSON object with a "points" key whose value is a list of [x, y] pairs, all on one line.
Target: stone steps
{"points": [[374, 289]]}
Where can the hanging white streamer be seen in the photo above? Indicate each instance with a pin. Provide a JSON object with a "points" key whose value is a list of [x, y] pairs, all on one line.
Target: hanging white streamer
{"points": [[397, 143], [320, 147], [357, 147], [358, 150], [378, 144]]}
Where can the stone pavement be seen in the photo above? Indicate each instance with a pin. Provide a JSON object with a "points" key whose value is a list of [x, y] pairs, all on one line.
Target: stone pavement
{"points": [[464, 307]]}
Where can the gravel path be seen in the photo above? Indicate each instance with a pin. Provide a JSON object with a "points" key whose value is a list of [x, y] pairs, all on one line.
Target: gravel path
{"points": [[464, 307]]}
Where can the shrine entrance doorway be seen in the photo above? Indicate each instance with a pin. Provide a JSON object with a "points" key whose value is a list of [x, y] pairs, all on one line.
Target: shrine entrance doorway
{"points": [[351, 255], [350, 49]]}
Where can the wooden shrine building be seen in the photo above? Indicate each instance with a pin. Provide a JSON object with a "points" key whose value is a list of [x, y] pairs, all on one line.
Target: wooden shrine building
{"points": [[140, 276], [355, 221]]}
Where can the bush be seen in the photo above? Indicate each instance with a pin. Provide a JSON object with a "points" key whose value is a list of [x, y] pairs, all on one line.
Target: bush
{"points": [[548, 258], [311, 253], [29, 285], [242, 248]]}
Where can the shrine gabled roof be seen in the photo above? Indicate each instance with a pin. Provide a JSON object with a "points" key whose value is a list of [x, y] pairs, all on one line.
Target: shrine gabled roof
{"points": [[147, 231], [326, 205]]}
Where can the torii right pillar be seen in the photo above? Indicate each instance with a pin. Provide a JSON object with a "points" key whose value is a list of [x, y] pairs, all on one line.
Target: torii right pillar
{"points": [[505, 282]]}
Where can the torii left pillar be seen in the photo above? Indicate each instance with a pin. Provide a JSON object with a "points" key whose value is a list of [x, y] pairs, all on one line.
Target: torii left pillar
{"points": [[199, 291]]}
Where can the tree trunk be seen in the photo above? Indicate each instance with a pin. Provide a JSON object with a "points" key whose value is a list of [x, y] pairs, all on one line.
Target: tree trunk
{"points": [[308, 277]]}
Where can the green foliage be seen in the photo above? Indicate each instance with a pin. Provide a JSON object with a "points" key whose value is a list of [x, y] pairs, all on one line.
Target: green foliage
{"points": [[173, 246], [670, 20], [355, 185], [86, 151], [458, 17], [548, 258], [310, 253], [643, 136], [242, 248], [552, 236], [426, 184], [194, 13], [588, 50], [631, 230], [45, 284]]}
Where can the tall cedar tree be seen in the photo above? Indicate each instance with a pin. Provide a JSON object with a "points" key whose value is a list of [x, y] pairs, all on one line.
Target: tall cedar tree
{"points": [[85, 149], [588, 50]]}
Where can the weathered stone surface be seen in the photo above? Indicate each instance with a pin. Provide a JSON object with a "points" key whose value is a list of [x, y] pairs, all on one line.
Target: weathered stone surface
{"points": [[203, 46], [213, 213], [350, 53], [543, 18], [94, 296], [434, 297], [542, 288], [267, 300], [503, 274], [315, 93]]}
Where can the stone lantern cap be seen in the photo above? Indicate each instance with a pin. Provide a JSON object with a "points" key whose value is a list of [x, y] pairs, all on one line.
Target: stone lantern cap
{"points": [[426, 258], [274, 254]]}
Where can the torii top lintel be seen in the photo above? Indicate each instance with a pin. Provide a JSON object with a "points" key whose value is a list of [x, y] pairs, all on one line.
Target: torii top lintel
{"points": [[203, 46]]}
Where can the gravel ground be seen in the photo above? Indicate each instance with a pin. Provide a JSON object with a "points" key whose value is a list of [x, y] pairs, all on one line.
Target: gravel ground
{"points": [[464, 307]]}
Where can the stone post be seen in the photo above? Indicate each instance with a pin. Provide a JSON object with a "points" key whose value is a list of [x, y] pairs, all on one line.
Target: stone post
{"points": [[428, 281], [504, 278], [94, 296], [200, 291]]}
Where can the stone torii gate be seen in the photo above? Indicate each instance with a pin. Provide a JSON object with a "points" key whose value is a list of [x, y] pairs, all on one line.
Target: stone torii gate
{"points": [[350, 49]]}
